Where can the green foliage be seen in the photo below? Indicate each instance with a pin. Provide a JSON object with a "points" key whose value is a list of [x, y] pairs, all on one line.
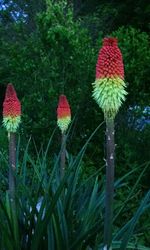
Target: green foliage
{"points": [[107, 16], [52, 213], [3, 160]]}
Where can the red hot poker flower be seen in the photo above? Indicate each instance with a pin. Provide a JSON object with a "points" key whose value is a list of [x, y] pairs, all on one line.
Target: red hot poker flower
{"points": [[63, 113], [11, 109], [109, 87]]}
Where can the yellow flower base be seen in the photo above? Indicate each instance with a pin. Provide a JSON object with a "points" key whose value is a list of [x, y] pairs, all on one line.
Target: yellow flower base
{"points": [[63, 123], [11, 123], [109, 93]]}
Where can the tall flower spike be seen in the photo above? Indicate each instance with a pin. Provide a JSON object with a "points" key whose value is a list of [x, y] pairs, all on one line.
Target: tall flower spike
{"points": [[63, 114], [109, 86], [11, 110]]}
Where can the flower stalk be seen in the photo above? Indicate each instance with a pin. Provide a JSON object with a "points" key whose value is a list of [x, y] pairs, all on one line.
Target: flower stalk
{"points": [[12, 164], [110, 167], [63, 154]]}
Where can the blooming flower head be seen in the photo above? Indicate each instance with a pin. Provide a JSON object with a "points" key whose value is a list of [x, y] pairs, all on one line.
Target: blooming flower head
{"points": [[63, 113], [11, 110], [109, 86]]}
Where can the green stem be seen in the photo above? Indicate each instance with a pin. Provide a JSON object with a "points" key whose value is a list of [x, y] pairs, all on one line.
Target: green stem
{"points": [[12, 170], [12, 164], [110, 155], [63, 155]]}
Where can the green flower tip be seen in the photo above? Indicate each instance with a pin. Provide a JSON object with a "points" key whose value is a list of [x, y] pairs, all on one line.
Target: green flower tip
{"points": [[109, 95]]}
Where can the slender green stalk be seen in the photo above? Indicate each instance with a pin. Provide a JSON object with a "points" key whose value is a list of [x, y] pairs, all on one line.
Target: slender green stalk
{"points": [[110, 148], [63, 154], [12, 164], [12, 170]]}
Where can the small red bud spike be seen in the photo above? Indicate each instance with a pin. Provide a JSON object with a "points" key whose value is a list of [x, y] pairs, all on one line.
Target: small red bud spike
{"points": [[11, 110], [63, 114]]}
